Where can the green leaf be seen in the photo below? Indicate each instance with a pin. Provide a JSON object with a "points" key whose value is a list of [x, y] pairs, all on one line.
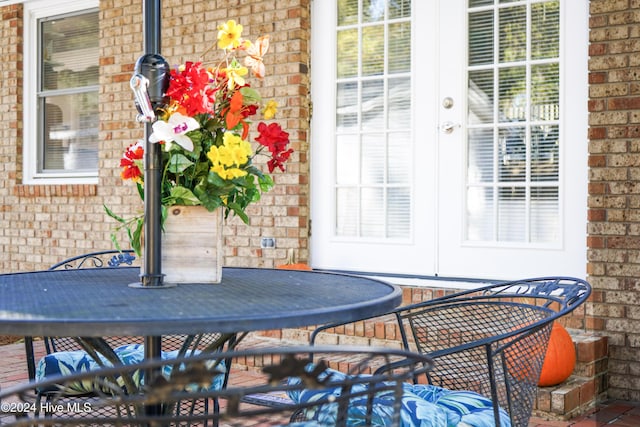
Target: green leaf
{"points": [[114, 240], [178, 163], [237, 209], [211, 202], [183, 196], [113, 215], [136, 239], [250, 96], [265, 182], [140, 190]]}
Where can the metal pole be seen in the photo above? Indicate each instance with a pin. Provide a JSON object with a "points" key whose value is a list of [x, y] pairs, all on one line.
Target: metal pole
{"points": [[153, 163], [152, 276]]}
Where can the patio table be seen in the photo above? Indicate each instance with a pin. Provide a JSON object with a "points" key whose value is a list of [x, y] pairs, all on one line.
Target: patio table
{"points": [[99, 302]]}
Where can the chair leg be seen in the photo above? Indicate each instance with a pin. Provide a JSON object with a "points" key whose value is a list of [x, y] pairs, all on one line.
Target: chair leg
{"points": [[31, 362]]}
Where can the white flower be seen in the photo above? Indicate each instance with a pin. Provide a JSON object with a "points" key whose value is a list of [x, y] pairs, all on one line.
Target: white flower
{"points": [[174, 130]]}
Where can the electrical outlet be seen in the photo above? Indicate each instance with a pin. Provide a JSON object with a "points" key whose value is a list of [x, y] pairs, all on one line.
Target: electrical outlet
{"points": [[267, 242]]}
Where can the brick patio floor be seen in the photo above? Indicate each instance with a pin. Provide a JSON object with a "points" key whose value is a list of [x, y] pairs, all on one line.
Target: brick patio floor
{"points": [[612, 413]]}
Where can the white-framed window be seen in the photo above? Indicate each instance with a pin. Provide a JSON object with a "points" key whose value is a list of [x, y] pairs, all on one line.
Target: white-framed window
{"points": [[61, 73]]}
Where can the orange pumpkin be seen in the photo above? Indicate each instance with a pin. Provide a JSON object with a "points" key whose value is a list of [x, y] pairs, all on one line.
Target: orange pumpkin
{"points": [[296, 266], [291, 263], [560, 359]]}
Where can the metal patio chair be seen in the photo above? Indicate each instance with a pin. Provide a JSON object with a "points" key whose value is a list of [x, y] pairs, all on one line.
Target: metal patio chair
{"points": [[70, 353], [491, 340], [369, 392]]}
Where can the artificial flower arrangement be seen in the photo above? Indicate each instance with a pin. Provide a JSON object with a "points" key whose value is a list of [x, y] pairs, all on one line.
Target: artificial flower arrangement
{"points": [[207, 158]]}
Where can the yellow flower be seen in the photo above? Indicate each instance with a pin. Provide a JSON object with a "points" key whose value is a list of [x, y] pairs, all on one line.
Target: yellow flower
{"points": [[270, 110], [229, 35], [225, 156], [239, 149], [235, 74], [235, 173], [212, 155], [227, 159]]}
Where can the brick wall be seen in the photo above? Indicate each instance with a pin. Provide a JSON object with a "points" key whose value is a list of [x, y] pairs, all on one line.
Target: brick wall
{"points": [[614, 190], [42, 224]]}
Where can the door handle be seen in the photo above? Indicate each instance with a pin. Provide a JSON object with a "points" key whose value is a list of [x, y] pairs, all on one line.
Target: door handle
{"points": [[449, 127]]}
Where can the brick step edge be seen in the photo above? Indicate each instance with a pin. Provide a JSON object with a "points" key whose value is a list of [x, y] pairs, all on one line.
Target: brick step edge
{"points": [[591, 350], [574, 397], [585, 388]]}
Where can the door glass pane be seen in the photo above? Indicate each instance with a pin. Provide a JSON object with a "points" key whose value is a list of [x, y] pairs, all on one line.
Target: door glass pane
{"points": [[480, 96], [399, 158], [372, 104], [513, 34], [511, 214], [373, 10], [347, 12], [347, 209], [544, 153], [513, 143], [512, 95], [545, 92], [373, 50], [399, 47], [480, 214], [513, 154], [481, 155], [399, 8], [374, 122], [372, 216], [545, 213], [545, 30], [347, 53], [476, 3], [374, 155], [348, 155], [347, 108], [398, 212], [399, 103], [481, 38]]}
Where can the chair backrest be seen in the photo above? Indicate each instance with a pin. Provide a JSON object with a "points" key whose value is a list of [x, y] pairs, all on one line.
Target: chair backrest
{"points": [[492, 340], [110, 258], [347, 397]]}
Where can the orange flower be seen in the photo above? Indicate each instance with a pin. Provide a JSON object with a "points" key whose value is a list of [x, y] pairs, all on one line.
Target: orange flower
{"points": [[234, 114]]}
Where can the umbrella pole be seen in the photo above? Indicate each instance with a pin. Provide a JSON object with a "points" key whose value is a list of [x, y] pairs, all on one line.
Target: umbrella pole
{"points": [[153, 164]]}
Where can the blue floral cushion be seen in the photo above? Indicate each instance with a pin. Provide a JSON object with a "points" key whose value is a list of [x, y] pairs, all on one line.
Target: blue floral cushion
{"points": [[422, 406], [74, 362]]}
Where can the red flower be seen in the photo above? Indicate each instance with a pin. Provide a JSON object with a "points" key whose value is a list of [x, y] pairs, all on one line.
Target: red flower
{"points": [[130, 169], [276, 140], [191, 90]]}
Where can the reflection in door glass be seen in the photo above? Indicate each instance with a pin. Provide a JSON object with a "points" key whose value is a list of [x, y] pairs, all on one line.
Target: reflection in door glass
{"points": [[373, 135], [513, 122]]}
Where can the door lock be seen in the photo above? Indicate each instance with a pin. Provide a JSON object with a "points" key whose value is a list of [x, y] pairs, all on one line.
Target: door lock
{"points": [[449, 127], [447, 102]]}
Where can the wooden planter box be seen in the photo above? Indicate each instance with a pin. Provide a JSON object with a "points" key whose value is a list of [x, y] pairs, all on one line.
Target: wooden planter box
{"points": [[192, 245]]}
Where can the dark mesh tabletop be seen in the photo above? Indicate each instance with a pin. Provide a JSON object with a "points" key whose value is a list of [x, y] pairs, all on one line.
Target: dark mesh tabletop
{"points": [[99, 302]]}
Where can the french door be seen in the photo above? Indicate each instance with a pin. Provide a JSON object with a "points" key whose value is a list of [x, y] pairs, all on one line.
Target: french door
{"points": [[447, 139]]}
